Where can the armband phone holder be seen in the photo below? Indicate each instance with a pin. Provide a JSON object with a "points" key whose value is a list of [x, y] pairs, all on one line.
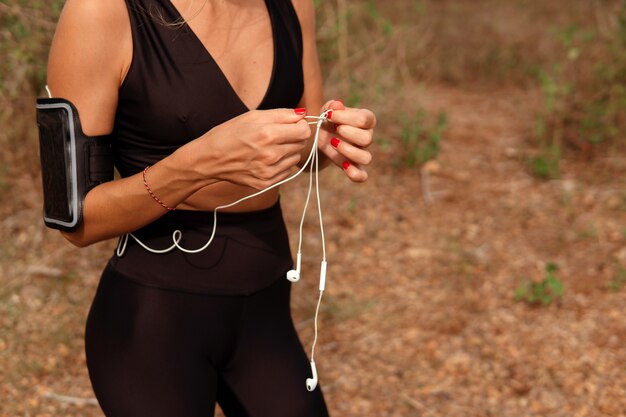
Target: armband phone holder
{"points": [[72, 163]]}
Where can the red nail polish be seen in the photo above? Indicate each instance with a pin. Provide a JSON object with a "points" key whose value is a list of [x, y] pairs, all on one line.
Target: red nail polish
{"points": [[335, 142], [299, 111], [346, 164], [329, 115]]}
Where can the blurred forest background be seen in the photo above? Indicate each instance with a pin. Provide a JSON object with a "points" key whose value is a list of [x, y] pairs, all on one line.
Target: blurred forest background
{"points": [[480, 272]]}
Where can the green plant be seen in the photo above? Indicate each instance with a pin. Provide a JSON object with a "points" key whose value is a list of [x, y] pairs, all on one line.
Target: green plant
{"points": [[375, 15], [421, 140], [603, 112], [353, 203], [26, 29], [543, 292], [619, 280], [584, 94], [551, 120], [545, 165]]}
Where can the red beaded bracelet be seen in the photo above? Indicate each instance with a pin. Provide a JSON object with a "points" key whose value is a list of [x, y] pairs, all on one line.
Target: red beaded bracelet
{"points": [[157, 199]]}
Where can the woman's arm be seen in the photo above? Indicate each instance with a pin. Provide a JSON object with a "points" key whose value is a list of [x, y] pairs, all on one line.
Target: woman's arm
{"points": [[89, 57], [352, 129], [312, 99]]}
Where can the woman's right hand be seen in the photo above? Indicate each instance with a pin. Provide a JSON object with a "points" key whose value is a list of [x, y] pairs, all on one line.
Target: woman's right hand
{"points": [[256, 149]]}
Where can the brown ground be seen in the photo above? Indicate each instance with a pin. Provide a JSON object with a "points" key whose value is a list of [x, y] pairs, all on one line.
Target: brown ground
{"points": [[419, 317]]}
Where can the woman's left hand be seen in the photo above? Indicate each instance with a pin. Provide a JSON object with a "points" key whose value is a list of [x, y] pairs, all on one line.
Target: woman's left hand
{"points": [[345, 139]]}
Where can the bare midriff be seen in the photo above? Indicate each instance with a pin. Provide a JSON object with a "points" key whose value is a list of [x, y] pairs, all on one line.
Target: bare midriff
{"points": [[223, 193]]}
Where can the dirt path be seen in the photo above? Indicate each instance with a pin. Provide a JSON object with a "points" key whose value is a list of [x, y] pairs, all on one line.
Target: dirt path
{"points": [[419, 317]]}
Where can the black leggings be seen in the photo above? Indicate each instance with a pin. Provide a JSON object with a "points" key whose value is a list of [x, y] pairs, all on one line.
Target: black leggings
{"points": [[164, 353]]}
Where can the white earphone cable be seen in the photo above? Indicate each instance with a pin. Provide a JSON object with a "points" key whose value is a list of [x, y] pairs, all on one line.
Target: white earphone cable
{"points": [[306, 205], [322, 284], [317, 312], [313, 163], [319, 204], [177, 234]]}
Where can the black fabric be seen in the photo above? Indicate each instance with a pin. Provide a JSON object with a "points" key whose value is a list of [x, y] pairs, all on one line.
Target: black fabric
{"points": [[175, 92], [170, 334], [161, 353], [249, 252], [100, 162], [72, 163]]}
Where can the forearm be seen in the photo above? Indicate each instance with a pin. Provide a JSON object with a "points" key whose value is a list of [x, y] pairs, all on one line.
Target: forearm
{"points": [[122, 206], [255, 149]]}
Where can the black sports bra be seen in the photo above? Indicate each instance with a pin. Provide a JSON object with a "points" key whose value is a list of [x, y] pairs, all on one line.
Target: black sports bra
{"points": [[175, 92]]}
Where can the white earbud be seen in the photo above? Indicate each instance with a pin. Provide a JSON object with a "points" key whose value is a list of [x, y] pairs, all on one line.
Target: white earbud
{"points": [[294, 274], [311, 383]]}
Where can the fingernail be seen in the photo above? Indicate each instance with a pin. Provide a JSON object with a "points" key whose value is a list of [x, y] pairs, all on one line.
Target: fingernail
{"points": [[339, 100], [329, 115], [346, 164], [299, 111], [335, 142]]}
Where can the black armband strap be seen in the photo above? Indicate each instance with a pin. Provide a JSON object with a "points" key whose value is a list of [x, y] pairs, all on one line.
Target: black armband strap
{"points": [[72, 163]]}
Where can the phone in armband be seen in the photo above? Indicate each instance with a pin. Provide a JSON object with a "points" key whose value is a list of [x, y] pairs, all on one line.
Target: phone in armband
{"points": [[72, 163]]}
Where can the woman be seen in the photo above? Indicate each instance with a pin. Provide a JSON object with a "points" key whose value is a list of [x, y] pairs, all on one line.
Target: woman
{"points": [[211, 98]]}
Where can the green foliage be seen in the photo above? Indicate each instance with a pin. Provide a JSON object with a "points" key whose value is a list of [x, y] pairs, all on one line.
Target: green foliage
{"points": [[374, 14], [355, 89], [619, 281], [584, 94], [26, 27], [353, 204], [357, 44], [545, 165], [421, 140], [543, 292], [419, 6]]}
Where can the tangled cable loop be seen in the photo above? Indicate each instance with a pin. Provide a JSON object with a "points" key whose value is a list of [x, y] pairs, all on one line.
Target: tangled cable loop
{"points": [[177, 235]]}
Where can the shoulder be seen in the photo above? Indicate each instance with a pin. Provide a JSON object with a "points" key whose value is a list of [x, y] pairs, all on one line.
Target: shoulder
{"points": [[305, 11], [312, 98], [306, 15], [94, 14], [89, 52], [90, 32], [92, 23]]}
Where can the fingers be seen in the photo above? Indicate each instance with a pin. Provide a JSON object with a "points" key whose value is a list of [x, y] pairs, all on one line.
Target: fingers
{"points": [[288, 162], [289, 133], [273, 155], [280, 125], [359, 118], [350, 152], [351, 133], [353, 170], [333, 105], [269, 175], [279, 115], [359, 137]]}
